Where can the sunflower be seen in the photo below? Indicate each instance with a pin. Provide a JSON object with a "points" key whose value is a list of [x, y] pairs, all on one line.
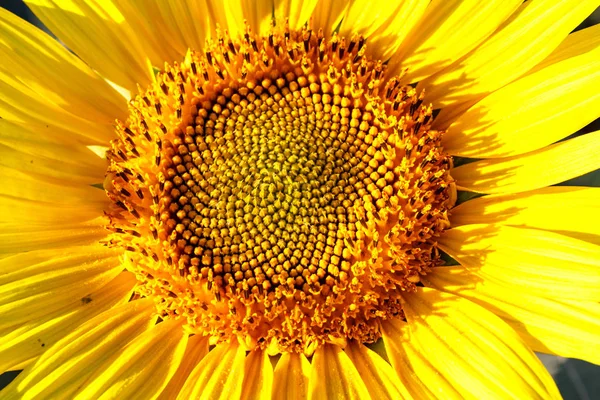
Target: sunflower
{"points": [[297, 199]]}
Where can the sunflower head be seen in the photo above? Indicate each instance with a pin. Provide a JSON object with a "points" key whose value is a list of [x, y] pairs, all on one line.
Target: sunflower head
{"points": [[315, 200], [281, 189]]}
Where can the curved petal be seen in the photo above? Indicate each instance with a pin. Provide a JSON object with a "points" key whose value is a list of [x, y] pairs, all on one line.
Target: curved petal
{"points": [[474, 350], [297, 12], [530, 113], [566, 328], [38, 283], [385, 28], [448, 30], [291, 376], [258, 376], [20, 238], [142, 368], [98, 33], [65, 366], [218, 376], [327, 15], [40, 63], [570, 211], [413, 368], [379, 376], [334, 376], [535, 261], [577, 43], [529, 36], [540, 168], [17, 101], [31, 152], [29, 340], [196, 349]]}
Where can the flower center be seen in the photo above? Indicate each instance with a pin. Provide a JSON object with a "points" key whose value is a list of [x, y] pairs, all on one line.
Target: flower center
{"points": [[279, 189]]}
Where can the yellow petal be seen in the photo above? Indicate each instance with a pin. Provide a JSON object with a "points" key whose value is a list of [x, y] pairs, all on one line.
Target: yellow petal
{"points": [[32, 338], [327, 15], [334, 376], [142, 368], [530, 113], [479, 354], [48, 169], [17, 101], [38, 283], [535, 261], [523, 41], [258, 376], [64, 367], [540, 168], [291, 376], [218, 376], [147, 18], [385, 28], [98, 33], [548, 325], [570, 211], [196, 349], [414, 370], [32, 148], [448, 30], [20, 184], [20, 212], [16, 238], [379, 376], [576, 44], [55, 74], [296, 11]]}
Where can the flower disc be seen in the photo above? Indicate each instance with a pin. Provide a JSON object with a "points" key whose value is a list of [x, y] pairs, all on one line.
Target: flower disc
{"points": [[280, 189]]}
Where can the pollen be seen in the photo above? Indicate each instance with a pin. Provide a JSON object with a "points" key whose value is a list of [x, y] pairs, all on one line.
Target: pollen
{"points": [[280, 189]]}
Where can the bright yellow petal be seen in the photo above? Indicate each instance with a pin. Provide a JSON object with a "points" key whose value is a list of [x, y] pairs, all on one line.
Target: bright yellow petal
{"points": [[448, 30], [334, 376], [56, 75], [530, 113], [576, 44], [17, 238], [540, 168], [218, 376], [32, 338], [291, 376], [142, 368], [64, 367], [49, 169], [570, 211], [98, 33], [566, 328], [327, 15], [524, 40], [19, 184], [33, 149], [38, 283], [17, 101], [384, 28], [379, 376], [173, 19], [258, 376], [413, 368], [296, 11], [479, 354], [196, 349], [535, 261], [20, 212]]}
